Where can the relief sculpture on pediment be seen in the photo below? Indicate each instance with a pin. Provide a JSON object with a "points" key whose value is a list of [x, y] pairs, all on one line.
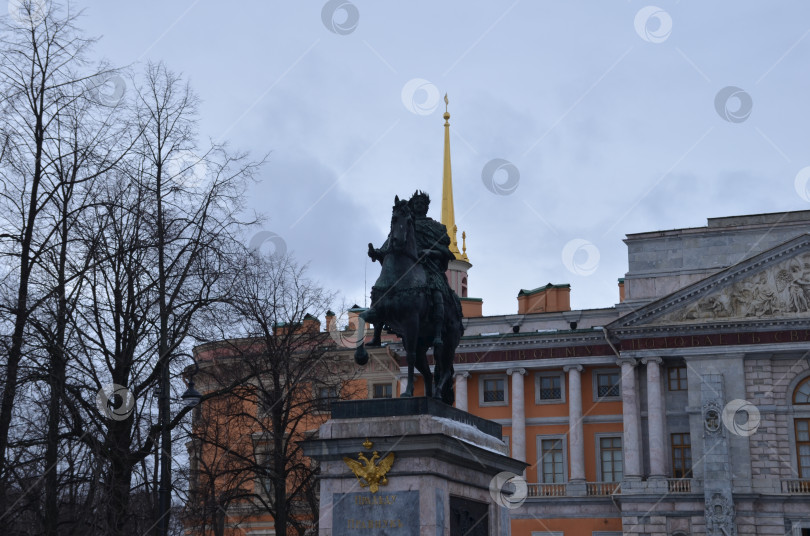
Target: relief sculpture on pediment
{"points": [[781, 290]]}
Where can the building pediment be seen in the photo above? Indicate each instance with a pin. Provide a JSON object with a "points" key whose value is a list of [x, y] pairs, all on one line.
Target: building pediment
{"points": [[774, 285]]}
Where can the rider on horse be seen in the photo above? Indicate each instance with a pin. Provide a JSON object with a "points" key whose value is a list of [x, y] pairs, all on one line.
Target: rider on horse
{"points": [[433, 243]]}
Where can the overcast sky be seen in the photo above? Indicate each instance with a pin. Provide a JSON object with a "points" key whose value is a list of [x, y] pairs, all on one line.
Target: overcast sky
{"points": [[608, 118]]}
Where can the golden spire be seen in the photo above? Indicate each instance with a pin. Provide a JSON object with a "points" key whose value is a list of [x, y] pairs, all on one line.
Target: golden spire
{"points": [[448, 214]]}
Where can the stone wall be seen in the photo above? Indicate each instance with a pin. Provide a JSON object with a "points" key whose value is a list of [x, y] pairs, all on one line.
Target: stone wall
{"points": [[767, 381], [664, 261]]}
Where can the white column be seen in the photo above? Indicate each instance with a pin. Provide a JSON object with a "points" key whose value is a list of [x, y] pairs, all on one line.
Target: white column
{"points": [[575, 435], [518, 414], [632, 456], [655, 417], [403, 383], [461, 390]]}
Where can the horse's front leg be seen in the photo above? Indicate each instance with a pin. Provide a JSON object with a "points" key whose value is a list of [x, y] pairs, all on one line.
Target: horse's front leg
{"points": [[360, 354]]}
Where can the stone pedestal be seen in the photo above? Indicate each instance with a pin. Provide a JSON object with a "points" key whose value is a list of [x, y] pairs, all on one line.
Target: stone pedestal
{"points": [[444, 462]]}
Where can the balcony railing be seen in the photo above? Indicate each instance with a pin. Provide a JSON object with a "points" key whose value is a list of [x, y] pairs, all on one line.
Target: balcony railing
{"points": [[593, 489], [546, 490], [679, 485], [796, 486], [603, 488]]}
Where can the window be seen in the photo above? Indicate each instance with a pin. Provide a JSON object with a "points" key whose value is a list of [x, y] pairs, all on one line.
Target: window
{"points": [[681, 455], [803, 446], [324, 398], [492, 391], [608, 384], [611, 461], [677, 378], [801, 426], [802, 393], [549, 388], [552, 461], [382, 390]]}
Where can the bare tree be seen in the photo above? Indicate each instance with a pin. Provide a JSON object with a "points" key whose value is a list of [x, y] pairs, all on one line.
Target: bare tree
{"points": [[55, 142], [289, 371], [162, 230]]}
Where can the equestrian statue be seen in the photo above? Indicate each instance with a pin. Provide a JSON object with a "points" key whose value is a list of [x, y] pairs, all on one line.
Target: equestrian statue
{"points": [[412, 297]]}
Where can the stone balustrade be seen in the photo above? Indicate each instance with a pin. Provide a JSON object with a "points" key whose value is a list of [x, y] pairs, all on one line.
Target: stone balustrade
{"points": [[794, 485], [679, 485]]}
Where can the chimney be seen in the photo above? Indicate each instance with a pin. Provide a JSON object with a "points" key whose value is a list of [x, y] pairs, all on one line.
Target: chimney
{"points": [[311, 324], [547, 299]]}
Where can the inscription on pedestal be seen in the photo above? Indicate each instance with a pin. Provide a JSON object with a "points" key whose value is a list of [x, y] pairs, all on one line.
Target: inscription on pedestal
{"points": [[394, 513]]}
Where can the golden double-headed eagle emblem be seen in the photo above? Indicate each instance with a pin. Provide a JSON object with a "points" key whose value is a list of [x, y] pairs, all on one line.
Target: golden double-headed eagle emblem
{"points": [[365, 468]]}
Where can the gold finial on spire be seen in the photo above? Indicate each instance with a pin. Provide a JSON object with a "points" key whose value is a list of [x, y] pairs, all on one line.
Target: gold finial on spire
{"points": [[464, 246], [448, 213]]}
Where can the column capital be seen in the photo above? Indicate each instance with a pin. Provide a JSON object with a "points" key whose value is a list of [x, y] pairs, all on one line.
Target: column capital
{"points": [[462, 374], [521, 371], [656, 360], [578, 368], [627, 361]]}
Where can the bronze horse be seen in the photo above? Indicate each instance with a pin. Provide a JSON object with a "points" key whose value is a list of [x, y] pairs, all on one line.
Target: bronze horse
{"points": [[401, 300]]}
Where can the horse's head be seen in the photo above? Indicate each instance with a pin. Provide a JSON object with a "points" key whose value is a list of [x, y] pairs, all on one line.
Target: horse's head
{"points": [[402, 227]]}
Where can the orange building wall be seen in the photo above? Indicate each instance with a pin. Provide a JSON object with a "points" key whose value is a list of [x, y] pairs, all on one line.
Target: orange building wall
{"points": [[536, 411], [589, 407], [576, 527]]}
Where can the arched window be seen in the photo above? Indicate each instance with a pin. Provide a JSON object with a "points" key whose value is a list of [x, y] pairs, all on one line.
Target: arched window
{"points": [[801, 397], [464, 287], [802, 393]]}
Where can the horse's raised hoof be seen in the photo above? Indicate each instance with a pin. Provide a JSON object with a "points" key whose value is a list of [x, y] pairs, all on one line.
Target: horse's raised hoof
{"points": [[361, 356]]}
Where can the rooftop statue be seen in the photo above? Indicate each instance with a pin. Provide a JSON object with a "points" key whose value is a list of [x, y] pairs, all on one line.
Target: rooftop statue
{"points": [[412, 296]]}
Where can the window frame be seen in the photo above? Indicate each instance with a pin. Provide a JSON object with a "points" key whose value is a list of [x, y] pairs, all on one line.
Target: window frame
{"points": [[481, 383], [798, 444], [802, 383], [598, 447], [373, 384], [595, 384], [564, 443], [798, 412], [682, 381], [673, 448], [318, 400], [537, 387]]}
